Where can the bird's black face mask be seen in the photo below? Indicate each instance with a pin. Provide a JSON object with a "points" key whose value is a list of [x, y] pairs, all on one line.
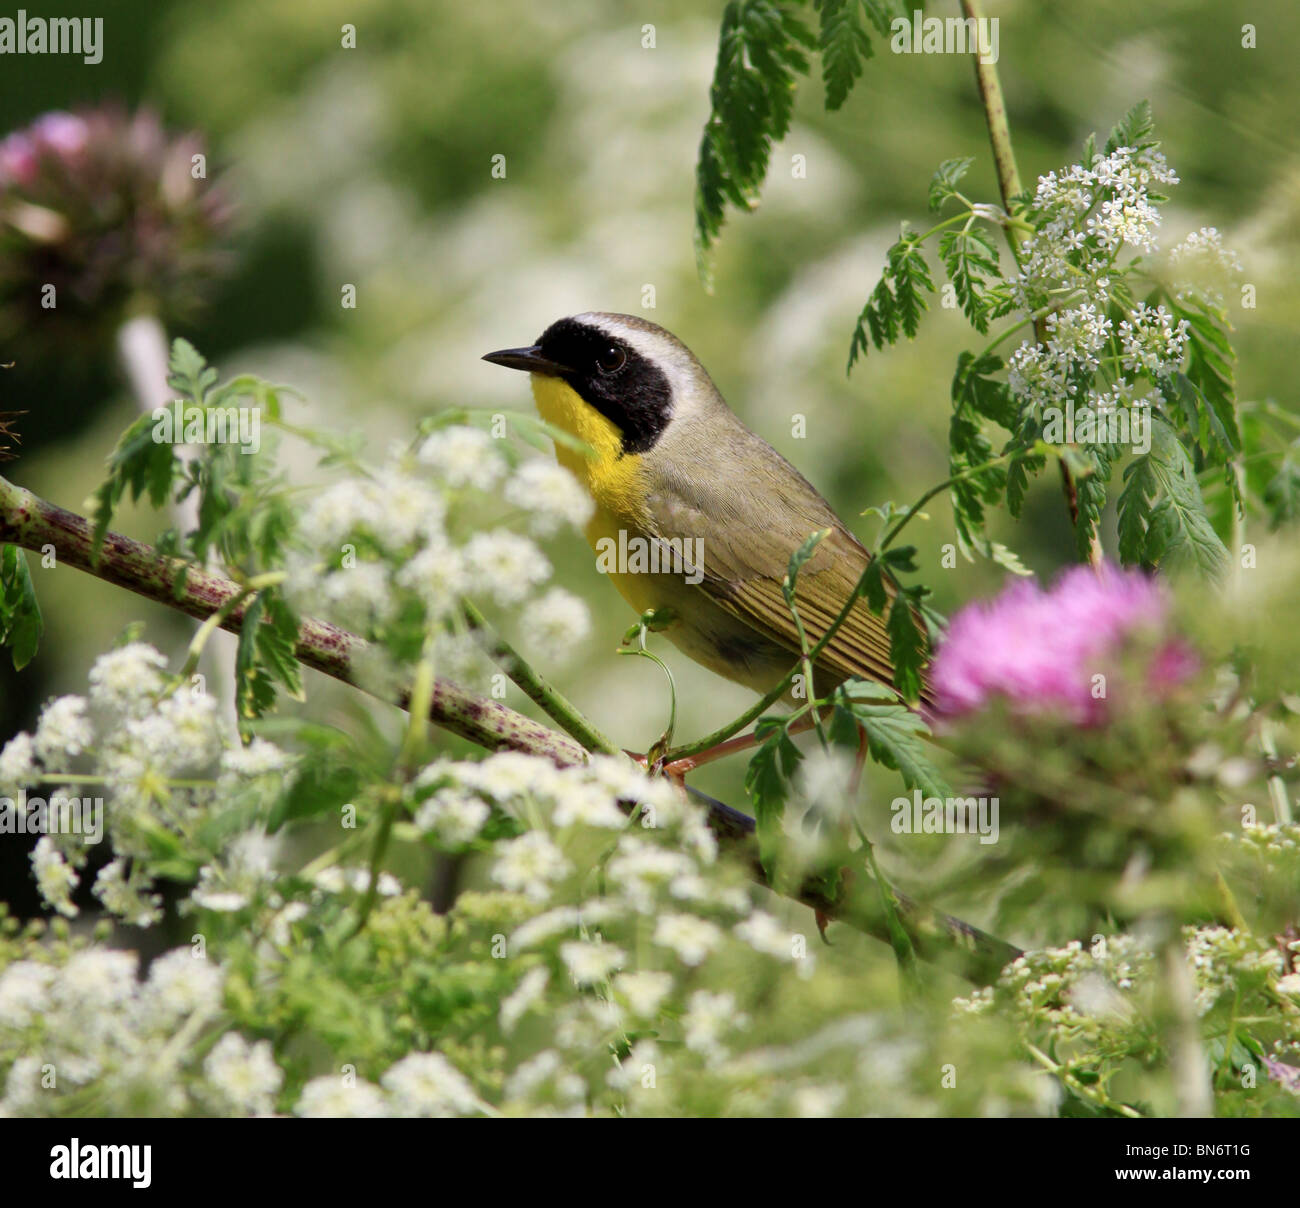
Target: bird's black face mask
{"points": [[627, 389]]}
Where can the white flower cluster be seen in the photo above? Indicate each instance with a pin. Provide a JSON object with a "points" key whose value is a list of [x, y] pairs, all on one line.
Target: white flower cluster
{"points": [[376, 551], [1084, 217], [419, 1085], [1109, 989], [93, 1021], [145, 757], [1204, 265], [646, 950]]}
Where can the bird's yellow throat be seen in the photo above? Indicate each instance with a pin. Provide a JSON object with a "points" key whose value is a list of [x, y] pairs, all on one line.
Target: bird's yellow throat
{"points": [[610, 476]]}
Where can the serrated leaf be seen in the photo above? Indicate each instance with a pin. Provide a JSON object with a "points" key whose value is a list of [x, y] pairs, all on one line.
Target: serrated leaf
{"points": [[1008, 559], [971, 259], [188, 373], [139, 465], [1134, 505], [895, 736], [1135, 129], [1179, 531], [1282, 494], [896, 302], [761, 53], [943, 184], [907, 647], [845, 48]]}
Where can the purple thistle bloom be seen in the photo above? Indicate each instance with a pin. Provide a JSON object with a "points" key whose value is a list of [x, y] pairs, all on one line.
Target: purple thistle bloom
{"points": [[1038, 650]]}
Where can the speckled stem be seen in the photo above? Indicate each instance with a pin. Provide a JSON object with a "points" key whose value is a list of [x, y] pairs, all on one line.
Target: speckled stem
{"points": [[32, 523]]}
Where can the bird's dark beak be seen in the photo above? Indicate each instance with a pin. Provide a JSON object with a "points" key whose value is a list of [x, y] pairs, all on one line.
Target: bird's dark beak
{"points": [[528, 359]]}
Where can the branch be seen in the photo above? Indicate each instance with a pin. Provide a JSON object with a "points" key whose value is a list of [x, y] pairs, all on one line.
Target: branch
{"points": [[31, 522]]}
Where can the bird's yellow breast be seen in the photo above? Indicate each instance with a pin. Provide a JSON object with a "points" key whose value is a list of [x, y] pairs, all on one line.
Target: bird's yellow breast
{"points": [[613, 478]]}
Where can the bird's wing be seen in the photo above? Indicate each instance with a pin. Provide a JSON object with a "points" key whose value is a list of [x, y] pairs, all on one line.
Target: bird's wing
{"points": [[749, 529]]}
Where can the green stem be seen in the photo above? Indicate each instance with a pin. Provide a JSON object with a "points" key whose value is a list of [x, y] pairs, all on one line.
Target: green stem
{"points": [[556, 706], [1091, 1093]]}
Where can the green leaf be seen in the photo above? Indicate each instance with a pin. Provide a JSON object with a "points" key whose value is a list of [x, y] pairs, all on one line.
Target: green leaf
{"points": [[1179, 532], [761, 53], [188, 373], [897, 302], [21, 623], [265, 658], [139, 465], [971, 259], [767, 782], [1008, 559], [1135, 129], [943, 184], [895, 736], [974, 387], [799, 558], [1282, 494], [1207, 391], [1140, 488], [907, 646], [845, 47]]}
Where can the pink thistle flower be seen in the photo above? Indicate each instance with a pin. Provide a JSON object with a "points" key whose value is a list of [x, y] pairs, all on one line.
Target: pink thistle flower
{"points": [[1039, 650]]}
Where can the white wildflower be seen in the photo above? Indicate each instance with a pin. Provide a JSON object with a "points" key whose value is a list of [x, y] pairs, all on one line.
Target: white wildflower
{"points": [[513, 1008], [529, 865], [18, 767], [64, 730], [426, 1085], [462, 457], [55, 878], [330, 1098], [557, 622], [453, 816], [708, 1017], [127, 679], [24, 987], [244, 1075], [550, 494], [183, 983], [644, 990], [691, 938], [589, 963], [504, 565]]}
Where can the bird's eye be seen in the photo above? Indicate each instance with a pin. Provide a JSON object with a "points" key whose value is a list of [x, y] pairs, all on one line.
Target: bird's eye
{"points": [[611, 360]]}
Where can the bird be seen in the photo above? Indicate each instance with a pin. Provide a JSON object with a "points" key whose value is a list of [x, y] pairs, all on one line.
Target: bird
{"points": [[669, 466]]}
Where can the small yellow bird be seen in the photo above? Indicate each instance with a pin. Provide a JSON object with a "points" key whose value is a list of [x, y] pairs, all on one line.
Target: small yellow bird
{"points": [[674, 471]]}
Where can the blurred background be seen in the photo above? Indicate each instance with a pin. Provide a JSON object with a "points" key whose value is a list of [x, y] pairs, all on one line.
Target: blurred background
{"points": [[373, 167]]}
